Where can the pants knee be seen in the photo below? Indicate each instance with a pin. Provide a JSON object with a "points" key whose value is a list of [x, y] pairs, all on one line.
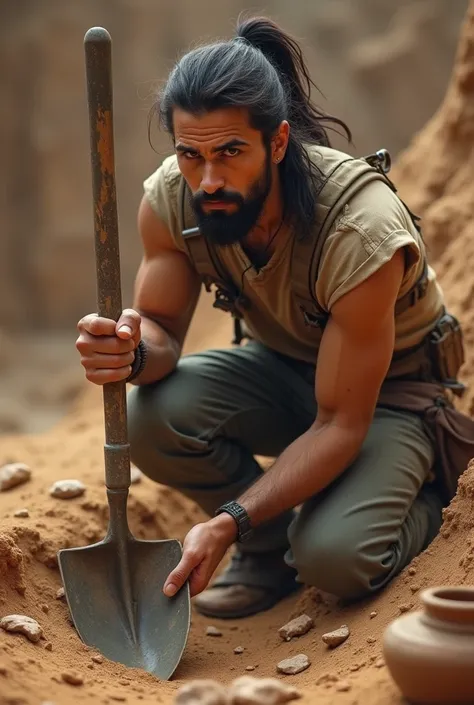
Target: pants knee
{"points": [[332, 564], [160, 428]]}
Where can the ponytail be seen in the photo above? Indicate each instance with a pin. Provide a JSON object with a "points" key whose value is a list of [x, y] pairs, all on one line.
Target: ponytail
{"points": [[285, 54], [262, 70]]}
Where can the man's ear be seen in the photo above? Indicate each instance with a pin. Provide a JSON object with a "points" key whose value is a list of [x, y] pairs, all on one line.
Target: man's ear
{"points": [[279, 142]]}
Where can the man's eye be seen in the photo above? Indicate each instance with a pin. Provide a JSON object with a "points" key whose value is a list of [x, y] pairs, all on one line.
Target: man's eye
{"points": [[231, 152], [190, 155]]}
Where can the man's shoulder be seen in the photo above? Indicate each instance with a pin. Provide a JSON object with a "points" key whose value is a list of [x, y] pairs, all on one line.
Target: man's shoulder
{"points": [[170, 170], [326, 158]]}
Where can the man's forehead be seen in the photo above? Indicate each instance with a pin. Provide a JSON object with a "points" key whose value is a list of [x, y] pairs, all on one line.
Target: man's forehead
{"points": [[217, 124]]}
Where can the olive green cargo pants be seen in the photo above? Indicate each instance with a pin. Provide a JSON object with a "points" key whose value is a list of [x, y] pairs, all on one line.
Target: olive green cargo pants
{"points": [[198, 430]]}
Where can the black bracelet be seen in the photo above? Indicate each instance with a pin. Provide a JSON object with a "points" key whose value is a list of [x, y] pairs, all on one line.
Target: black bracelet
{"points": [[139, 361]]}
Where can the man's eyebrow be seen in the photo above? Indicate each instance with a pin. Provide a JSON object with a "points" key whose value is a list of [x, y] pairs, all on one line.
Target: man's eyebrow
{"points": [[226, 145]]}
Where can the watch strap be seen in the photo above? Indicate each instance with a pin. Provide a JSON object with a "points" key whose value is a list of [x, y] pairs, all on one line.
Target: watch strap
{"points": [[241, 518]]}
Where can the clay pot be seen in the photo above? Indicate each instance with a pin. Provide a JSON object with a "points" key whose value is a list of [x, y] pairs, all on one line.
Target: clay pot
{"points": [[430, 653]]}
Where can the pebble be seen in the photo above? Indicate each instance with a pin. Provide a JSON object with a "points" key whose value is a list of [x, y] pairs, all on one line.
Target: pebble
{"points": [[72, 677], [60, 593], [239, 650], [23, 625], [136, 475], [67, 489], [13, 474], [21, 513], [48, 646], [405, 607], [343, 686], [337, 637], [380, 663], [250, 668], [292, 666], [371, 640], [373, 614], [205, 691], [97, 658], [412, 571], [248, 690], [297, 627], [213, 631], [45, 609]]}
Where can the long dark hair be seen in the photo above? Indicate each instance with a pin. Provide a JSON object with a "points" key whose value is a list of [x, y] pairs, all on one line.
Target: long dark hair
{"points": [[263, 70]]}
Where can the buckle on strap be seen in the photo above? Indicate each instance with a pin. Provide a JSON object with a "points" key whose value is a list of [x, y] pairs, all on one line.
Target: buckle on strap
{"points": [[419, 290]]}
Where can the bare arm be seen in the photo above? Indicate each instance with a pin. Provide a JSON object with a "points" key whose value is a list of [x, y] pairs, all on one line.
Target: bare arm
{"points": [[353, 360], [166, 293]]}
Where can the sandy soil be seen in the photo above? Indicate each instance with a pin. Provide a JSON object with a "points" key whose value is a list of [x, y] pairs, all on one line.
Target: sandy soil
{"points": [[436, 176]]}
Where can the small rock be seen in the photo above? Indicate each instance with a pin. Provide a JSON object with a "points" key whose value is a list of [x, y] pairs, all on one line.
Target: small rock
{"points": [[213, 631], [343, 686], [60, 593], [45, 609], [201, 692], [21, 513], [248, 690], [239, 650], [405, 607], [13, 474], [250, 668], [292, 666], [371, 640], [136, 475], [373, 614], [414, 588], [48, 646], [380, 663], [337, 637], [23, 625], [72, 677], [67, 489], [412, 571], [327, 678], [297, 627], [97, 658]]}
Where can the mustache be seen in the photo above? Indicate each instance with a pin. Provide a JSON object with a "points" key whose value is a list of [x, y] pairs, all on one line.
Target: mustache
{"points": [[220, 196]]}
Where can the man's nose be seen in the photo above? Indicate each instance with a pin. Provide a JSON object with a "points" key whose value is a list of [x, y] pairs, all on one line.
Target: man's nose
{"points": [[211, 180]]}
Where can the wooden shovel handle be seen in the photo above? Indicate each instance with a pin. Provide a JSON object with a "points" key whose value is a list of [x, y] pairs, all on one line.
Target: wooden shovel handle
{"points": [[98, 58]]}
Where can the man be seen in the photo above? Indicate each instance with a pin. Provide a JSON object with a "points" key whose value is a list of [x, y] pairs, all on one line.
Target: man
{"points": [[350, 498]]}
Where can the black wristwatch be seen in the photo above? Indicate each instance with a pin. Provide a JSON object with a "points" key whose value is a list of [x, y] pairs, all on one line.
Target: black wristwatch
{"points": [[241, 518]]}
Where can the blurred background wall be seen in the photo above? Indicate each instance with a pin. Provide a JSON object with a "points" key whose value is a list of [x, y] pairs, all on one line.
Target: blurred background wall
{"points": [[382, 66]]}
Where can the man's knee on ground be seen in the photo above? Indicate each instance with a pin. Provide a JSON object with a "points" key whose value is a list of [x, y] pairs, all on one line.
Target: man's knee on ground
{"points": [[334, 563], [159, 423]]}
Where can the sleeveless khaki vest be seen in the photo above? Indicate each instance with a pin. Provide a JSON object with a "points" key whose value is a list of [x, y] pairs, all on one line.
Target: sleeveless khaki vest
{"points": [[359, 225]]}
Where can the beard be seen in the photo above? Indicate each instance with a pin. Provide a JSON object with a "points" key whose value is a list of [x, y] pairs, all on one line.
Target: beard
{"points": [[221, 228]]}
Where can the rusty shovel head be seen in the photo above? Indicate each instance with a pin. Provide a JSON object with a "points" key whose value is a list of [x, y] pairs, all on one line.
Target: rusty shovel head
{"points": [[114, 590]]}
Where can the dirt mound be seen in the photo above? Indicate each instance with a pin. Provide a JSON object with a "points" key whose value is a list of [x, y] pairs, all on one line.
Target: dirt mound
{"points": [[435, 176]]}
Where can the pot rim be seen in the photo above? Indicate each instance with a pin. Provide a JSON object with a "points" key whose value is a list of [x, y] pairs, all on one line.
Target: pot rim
{"points": [[454, 603]]}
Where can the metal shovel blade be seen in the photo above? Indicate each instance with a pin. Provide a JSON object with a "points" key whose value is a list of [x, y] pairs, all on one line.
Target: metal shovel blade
{"points": [[115, 596]]}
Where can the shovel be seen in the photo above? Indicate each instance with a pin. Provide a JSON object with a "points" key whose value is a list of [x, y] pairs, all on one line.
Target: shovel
{"points": [[114, 588]]}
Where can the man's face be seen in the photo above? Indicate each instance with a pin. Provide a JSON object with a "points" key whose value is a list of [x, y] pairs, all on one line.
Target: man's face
{"points": [[227, 168]]}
